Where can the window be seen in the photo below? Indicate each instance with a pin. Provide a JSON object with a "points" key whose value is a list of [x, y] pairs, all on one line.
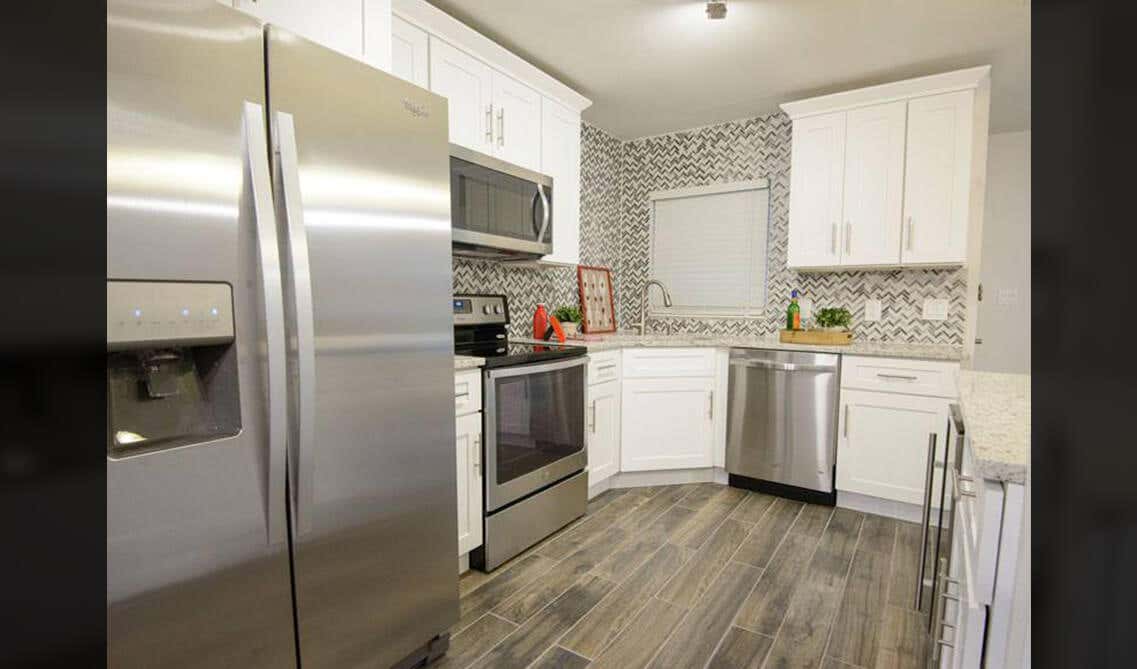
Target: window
{"points": [[708, 246]]}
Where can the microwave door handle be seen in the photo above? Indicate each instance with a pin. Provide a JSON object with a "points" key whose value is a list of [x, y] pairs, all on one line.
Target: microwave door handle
{"points": [[545, 213], [291, 213], [260, 179]]}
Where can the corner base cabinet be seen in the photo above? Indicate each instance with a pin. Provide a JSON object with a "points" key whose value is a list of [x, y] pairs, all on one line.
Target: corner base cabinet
{"points": [[667, 423]]}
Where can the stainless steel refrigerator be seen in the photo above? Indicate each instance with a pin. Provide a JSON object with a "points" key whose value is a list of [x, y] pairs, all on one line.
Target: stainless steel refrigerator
{"points": [[281, 478]]}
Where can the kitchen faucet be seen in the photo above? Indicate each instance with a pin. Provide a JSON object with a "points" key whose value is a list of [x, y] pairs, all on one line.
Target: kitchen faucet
{"points": [[643, 301]]}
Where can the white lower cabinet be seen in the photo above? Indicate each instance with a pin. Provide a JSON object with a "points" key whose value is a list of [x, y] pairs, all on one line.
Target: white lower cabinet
{"points": [[603, 438], [667, 423], [469, 455], [882, 447]]}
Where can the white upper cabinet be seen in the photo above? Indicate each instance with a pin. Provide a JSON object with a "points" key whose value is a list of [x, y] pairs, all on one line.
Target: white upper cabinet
{"points": [[410, 51], [517, 118], [816, 183], [560, 159], [360, 29], [467, 85], [889, 176], [874, 184], [937, 185]]}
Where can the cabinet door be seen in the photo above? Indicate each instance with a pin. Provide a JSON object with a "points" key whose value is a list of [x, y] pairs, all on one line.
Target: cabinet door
{"points": [[817, 166], [469, 456], [560, 159], [666, 423], [410, 52], [874, 184], [517, 122], [465, 82], [882, 447], [937, 179], [603, 431], [337, 24]]}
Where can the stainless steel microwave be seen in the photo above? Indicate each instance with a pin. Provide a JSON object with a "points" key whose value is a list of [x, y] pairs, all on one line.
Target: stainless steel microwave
{"points": [[498, 209]]}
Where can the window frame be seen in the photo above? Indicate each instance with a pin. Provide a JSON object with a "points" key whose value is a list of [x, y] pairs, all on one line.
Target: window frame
{"points": [[752, 312]]}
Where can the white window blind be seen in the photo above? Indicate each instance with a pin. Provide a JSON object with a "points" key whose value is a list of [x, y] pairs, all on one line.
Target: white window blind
{"points": [[708, 246]]}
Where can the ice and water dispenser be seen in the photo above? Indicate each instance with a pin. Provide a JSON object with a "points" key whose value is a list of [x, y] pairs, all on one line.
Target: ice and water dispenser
{"points": [[171, 365]]}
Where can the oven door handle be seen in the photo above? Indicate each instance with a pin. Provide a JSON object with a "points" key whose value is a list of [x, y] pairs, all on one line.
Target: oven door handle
{"points": [[537, 368]]}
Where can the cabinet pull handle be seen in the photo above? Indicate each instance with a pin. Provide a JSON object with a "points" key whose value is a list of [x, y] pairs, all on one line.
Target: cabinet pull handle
{"points": [[501, 126], [477, 454], [848, 410], [926, 521], [489, 123], [711, 405], [848, 237], [910, 230], [904, 377], [833, 240], [592, 421]]}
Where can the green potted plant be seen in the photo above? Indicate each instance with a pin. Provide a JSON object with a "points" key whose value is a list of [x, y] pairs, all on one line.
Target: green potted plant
{"points": [[834, 318], [570, 320]]}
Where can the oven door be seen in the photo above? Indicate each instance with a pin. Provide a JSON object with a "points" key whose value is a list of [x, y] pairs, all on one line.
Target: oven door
{"points": [[534, 427], [498, 209]]}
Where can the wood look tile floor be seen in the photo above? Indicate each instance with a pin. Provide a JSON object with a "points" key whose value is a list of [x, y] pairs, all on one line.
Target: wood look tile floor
{"points": [[699, 575]]}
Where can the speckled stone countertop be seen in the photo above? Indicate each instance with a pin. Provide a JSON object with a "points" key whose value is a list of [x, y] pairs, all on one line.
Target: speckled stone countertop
{"points": [[603, 342], [467, 362], [996, 415]]}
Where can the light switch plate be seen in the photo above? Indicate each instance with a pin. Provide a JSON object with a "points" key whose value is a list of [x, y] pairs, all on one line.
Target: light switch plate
{"points": [[872, 311], [1007, 296], [935, 309], [806, 306]]}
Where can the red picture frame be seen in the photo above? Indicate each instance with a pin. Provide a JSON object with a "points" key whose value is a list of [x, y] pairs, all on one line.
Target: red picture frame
{"points": [[592, 322]]}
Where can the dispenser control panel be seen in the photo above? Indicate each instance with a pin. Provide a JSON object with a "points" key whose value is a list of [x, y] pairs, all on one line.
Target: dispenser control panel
{"points": [[151, 314]]}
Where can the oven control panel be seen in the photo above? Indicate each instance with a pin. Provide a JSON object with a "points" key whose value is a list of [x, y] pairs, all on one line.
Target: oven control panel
{"points": [[480, 309]]}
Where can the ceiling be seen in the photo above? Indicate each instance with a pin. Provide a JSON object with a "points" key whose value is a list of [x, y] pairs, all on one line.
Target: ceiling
{"points": [[657, 66]]}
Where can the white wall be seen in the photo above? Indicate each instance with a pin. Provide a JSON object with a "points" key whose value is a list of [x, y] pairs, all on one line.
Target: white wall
{"points": [[1004, 313]]}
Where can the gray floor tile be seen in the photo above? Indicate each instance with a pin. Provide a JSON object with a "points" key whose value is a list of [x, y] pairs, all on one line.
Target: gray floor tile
{"points": [[641, 639], [695, 640], [741, 649], [693, 579], [767, 535], [559, 658]]}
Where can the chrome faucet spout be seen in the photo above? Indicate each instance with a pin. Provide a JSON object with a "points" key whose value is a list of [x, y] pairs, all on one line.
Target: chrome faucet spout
{"points": [[643, 301]]}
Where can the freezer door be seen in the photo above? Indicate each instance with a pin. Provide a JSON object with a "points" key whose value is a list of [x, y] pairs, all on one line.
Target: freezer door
{"points": [[197, 559], [362, 189]]}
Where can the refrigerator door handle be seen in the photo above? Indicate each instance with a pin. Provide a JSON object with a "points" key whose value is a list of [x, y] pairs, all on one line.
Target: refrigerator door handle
{"points": [[291, 215], [260, 178]]}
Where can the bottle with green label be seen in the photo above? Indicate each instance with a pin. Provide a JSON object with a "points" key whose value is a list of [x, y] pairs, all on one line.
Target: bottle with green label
{"points": [[793, 314]]}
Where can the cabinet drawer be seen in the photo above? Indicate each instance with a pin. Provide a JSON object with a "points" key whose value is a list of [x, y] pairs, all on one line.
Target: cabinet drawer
{"points": [[890, 375], [603, 367], [467, 392], [668, 362]]}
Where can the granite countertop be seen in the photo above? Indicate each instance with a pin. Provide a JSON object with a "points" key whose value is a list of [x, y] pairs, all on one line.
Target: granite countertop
{"points": [[467, 362], [996, 415], [602, 342]]}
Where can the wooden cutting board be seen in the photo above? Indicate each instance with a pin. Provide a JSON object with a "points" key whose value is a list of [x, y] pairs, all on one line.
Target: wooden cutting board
{"points": [[821, 337]]}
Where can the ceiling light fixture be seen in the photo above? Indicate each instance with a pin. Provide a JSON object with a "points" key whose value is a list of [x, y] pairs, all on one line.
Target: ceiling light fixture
{"points": [[716, 9]]}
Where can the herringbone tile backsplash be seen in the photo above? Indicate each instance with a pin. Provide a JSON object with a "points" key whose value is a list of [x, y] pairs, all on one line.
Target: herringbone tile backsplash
{"points": [[616, 178]]}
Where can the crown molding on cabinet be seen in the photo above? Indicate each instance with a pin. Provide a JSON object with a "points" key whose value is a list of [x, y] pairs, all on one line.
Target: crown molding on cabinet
{"points": [[458, 34], [957, 80]]}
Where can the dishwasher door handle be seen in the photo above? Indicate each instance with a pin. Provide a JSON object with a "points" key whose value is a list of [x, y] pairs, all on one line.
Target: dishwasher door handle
{"points": [[782, 366]]}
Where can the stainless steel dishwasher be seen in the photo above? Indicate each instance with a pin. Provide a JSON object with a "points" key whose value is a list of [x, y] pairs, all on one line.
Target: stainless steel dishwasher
{"points": [[781, 434]]}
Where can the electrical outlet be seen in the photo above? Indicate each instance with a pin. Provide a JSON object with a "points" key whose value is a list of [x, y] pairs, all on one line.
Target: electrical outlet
{"points": [[872, 311], [806, 306], [935, 309]]}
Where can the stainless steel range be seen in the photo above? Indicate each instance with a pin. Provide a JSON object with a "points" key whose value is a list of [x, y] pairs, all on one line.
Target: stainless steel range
{"points": [[533, 427]]}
